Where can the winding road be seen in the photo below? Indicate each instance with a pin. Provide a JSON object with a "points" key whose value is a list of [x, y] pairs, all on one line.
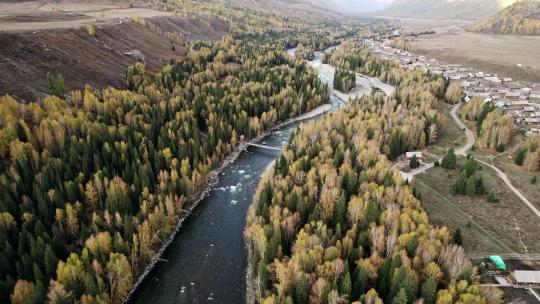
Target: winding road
{"points": [[462, 151]]}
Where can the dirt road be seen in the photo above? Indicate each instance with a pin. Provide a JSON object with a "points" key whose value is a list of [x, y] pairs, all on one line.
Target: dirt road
{"points": [[507, 181], [462, 151]]}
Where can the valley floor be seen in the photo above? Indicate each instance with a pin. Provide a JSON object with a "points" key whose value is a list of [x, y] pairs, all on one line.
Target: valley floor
{"points": [[498, 54]]}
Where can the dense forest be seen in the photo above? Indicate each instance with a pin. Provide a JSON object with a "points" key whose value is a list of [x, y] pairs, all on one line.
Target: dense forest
{"points": [[92, 182], [402, 43], [358, 58], [493, 126], [334, 223], [344, 80], [528, 154]]}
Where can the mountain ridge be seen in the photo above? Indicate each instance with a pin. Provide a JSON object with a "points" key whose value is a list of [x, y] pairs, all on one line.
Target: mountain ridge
{"points": [[445, 9], [521, 18]]}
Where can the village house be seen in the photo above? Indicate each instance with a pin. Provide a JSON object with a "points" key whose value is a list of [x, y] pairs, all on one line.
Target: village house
{"points": [[512, 95], [534, 95], [532, 120], [478, 94], [518, 99], [500, 103], [529, 109], [518, 102], [526, 278], [493, 79]]}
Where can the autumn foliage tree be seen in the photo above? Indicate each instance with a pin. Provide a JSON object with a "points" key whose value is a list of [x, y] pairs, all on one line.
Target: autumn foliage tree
{"points": [[335, 216], [92, 184]]}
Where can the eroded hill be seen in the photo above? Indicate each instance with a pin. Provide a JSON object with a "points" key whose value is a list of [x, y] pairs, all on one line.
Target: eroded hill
{"points": [[37, 39]]}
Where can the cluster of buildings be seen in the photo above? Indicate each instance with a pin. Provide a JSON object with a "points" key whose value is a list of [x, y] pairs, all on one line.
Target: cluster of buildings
{"points": [[520, 100]]}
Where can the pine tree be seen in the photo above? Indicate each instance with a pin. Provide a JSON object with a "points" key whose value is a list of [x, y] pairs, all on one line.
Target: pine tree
{"points": [[272, 247], [400, 298], [345, 286], [360, 283], [414, 163], [471, 185], [449, 161], [520, 157], [262, 276], [460, 186], [470, 167], [457, 237], [429, 291], [56, 84], [372, 213], [403, 280], [492, 197], [480, 188], [301, 291], [340, 211], [384, 278]]}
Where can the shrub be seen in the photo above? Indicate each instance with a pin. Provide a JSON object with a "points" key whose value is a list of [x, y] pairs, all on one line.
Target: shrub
{"points": [[91, 30], [492, 197], [457, 237], [520, 157], [449, 161], [55, 84]]}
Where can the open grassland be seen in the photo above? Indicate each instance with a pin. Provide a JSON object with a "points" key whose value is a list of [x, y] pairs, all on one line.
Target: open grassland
{"points": [[521, 178], [499, 54], [487, 228], [490, 53], [518, 175]]}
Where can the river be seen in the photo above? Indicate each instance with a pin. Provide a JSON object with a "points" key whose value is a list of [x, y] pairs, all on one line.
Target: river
{"points": [[206, 262]]}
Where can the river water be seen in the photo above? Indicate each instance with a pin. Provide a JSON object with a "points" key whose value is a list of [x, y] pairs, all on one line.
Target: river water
{"points": [[206, 262]]}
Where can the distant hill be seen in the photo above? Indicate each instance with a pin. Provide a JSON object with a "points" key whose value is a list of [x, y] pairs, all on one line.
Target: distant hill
{"points": [[352, 6], [445, 9], [293, 8], [521, 18]]}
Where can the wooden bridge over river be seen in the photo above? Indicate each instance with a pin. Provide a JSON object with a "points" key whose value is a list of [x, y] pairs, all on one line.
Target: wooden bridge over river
{"points": [[264, 146]]}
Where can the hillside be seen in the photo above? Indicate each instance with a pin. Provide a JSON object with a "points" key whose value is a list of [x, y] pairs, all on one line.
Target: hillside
{"points": [[100, 60], [445, 9], [521, 18], [351, 6], [292, 8]]}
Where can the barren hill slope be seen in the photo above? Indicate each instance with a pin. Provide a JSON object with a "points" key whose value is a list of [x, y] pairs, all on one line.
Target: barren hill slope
{"points": [[37, 37], [100, 60]]}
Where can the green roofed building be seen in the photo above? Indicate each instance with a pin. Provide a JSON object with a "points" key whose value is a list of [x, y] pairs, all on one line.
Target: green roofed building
{"points": [[498, 261]]}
